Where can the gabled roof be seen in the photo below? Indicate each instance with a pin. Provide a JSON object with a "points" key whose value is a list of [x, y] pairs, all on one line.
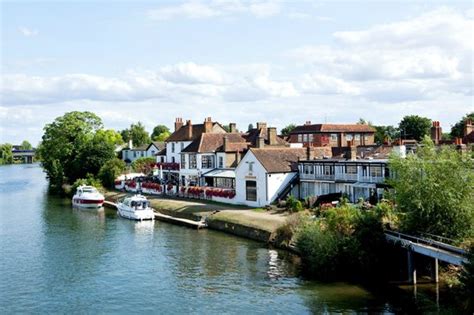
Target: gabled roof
{"points": [[279, 160], [158, 144], [162, 152], [333, 128], [182, 133], [212, 142], [252, 136]]}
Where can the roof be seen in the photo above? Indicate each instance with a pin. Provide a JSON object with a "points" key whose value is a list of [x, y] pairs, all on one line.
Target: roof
{"points": [[158, 144], [162, 152], [279, 160], [364, 152], [212, 142], [333, 128], [253, 134], [182, 133]]}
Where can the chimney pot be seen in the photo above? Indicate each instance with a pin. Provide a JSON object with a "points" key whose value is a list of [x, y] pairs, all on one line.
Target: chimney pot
{"points": [[272, 136], [233, 127], [260, 142], [226, 143], [178, 123], [208, 125], [190, 129]]}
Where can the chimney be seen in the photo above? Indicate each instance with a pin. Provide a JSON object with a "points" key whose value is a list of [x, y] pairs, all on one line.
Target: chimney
{"points": [[352, 150], [208, 125], [436, 132], [178, 123], [309, 153], [262, 125], [233, 127], [468, 127], [260, 142], [308, 122], [190, 129], [226, 143], [130, 144], [272, 136]]}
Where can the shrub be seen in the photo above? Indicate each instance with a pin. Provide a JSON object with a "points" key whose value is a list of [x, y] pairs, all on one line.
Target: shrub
{"points": [[89, 181], [110, 171], [286, 233], [293, 204]]}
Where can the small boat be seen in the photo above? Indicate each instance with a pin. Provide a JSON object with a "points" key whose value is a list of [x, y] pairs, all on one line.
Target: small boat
{"points": [[87, 197], [135, 207]]}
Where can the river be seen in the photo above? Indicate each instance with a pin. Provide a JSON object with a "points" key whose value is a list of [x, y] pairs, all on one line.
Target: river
{"points": [[55, 259]]}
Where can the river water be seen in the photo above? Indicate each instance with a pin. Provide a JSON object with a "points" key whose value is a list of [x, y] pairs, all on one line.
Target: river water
{"points": [[55, 259]]}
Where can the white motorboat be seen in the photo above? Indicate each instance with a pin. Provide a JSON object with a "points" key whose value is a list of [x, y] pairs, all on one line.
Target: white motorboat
{"points": [[135, 207], [87, 197]]}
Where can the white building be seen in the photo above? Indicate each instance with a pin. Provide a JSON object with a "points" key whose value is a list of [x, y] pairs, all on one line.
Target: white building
{"points": [[130, 153]]}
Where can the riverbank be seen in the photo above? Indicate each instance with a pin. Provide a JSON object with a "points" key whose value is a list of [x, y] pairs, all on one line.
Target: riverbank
{"points": [[255, 224]]}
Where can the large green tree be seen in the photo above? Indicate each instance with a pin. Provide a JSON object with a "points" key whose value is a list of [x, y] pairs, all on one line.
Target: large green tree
{"points": [[434, 191], [385, 132], [137, 134], [73, 146], [286, 130], [458, 129], [110, 171], [25, 145], [160, 133], [414, 127], [6, 156]]}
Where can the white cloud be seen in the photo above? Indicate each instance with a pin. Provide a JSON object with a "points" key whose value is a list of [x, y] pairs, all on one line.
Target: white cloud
{"points": [[191, 73], [27, 32], [202, 9]]}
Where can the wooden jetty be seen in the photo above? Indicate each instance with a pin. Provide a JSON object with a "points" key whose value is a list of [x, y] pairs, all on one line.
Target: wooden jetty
{"points": [[168, 218]]}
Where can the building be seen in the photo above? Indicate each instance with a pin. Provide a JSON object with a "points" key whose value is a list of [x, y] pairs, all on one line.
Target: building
{"points": [[130, 153], [263, 173], [356, 172], [332, 135], [468, 132]]}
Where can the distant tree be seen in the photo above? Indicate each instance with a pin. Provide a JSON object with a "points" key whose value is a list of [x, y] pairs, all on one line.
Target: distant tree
{"points": [[362, 121], [226, 128], [446, 136], [110, 171], [289, 128], [414, 127], [25, 145], [434, 191], [143, 165], [385, 132], [160, 133], [250, 127], [457, 131], [6, 156], [137, 134]]}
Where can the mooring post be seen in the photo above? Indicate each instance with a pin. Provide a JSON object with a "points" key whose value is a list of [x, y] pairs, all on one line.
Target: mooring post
{"points": [[434, 271], [411, 266]]}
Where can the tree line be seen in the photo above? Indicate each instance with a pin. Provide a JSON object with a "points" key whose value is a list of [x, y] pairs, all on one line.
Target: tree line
{"points": [[6, 155]]}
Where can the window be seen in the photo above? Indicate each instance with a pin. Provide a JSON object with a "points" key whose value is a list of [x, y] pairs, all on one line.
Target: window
{"points": [[333, 137], [310, 137], [183, 161], [357, 137], [172, 148], [207, 161], [182, 146], [349, 137], [351, 169], [366, 137], [305, 138], [375, 171], [251, 190], [300, 138], [328, 170], [173, 160], [224, 182], [192, 161], [152, 152], [134, 154], [221, 162], [308, 169]]}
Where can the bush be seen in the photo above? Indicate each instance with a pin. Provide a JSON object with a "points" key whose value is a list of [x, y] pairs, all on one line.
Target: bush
{"points": [[89, 181], [285, 234], [110, 171], [293, 204], [143, 165]]}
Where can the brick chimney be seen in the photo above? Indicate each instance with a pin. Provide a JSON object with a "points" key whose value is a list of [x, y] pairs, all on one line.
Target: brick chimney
{"points": [[262, 125], [436, 132], [468, 127], [208, 125], [309, 153], [233, 127], [260, 142], [272, 136], [352, 150], [189, 125], [178, 123], [226, 143]]}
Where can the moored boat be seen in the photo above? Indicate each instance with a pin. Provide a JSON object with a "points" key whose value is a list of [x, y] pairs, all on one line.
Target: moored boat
{"points": [[87, 197], [135, 207]]}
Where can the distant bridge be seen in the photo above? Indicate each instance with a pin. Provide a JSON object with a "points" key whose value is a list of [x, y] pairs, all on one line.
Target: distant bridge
{"points": [[427, 247], [26, 155]]}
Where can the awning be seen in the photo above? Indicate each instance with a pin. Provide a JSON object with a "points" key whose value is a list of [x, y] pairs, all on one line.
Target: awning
{"points": [[220, 173]]}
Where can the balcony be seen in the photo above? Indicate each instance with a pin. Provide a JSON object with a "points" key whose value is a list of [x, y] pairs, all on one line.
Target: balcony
{"points": [[168, 166]]}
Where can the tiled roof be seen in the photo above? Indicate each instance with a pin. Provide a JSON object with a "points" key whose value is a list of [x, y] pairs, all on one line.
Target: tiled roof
{"points": [[158, 144], [283, 159], [333, 128], [253, 134], [182, 133], [162, 152], [212, 142], [363, 152]]}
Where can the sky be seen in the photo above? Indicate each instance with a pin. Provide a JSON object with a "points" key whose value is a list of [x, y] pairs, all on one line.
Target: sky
{"points": [[235, 61]]}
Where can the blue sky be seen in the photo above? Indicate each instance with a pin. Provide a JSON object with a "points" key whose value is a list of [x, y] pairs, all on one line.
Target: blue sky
{"points": [[240, 61]]}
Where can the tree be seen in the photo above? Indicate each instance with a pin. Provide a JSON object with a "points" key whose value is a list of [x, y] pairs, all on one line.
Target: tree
{"points": [[434, 191], [457, 131], [385, 132], [414, 127], [286, 131], [73, 146], [362, 121], [25, 145], [137, 134], [6, 155], [160, 133], [250, 127], [111, 136], [110, 171], [143, 165]]}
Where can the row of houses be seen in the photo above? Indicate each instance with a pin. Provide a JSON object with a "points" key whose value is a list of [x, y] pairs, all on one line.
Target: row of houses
{"points": [[260, 167]]}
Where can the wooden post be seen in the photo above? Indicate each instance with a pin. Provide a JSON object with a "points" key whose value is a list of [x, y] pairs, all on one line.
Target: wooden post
{"points": [[411, 266], [434, 271]]}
